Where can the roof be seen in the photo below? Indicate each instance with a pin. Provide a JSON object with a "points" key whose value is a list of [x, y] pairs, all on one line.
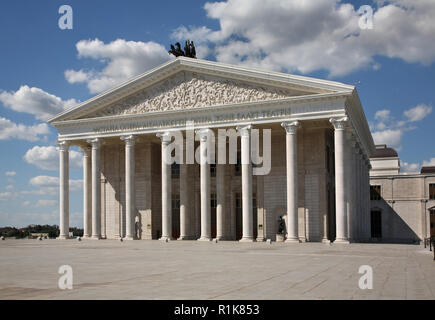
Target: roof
{"points": [[182, 63], [382, 151], [428, 169]]}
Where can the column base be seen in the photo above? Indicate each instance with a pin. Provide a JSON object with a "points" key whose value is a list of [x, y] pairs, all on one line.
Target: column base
{"points": [[247, 239], [87, 236], [128, 238], [63, 237], [166, 239], [95, 237], [186, 238], [205, 239], [261, 239], [327, 241], [292, 240], [342, 241]]}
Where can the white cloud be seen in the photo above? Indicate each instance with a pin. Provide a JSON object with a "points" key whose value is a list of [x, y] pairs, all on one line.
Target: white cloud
{"points": [[25, 203], [73, 76], [390, 137], [46, 203], [7, 196], [383, 115], [429, 163], [387, 130], [49, 185], [11, 130], [418, 113], [35, 101], [409, 167], [47, 158], [10, 173], [9, 187], [123, 60], [274, 34]]}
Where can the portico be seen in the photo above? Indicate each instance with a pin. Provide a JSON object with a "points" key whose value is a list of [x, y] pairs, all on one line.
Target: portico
{"points": [[317, 176]]}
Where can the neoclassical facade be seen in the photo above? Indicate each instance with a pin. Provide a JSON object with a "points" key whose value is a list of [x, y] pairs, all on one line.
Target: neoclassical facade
{"points": [[315, 132]]}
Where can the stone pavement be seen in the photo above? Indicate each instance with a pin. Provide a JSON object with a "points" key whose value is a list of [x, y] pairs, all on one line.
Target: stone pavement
{"points": [[109, 269]]}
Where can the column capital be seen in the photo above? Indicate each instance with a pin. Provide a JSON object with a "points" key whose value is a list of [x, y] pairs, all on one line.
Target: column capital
{"points": [[165, 137], [63, 145], [339, 123], [96, 143], [291, 127], [129, 140], [244, 129], [86, 150], [203, 133]]}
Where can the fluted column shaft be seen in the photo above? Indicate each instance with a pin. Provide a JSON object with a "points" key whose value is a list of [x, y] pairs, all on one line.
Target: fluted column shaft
{"points": [[292, 180], [130, 199], [205, 186], [247, 214], [96, 188], [87, 197], [166, 188], [64, 189], [340, 182], [185, 214], [220, 199]]}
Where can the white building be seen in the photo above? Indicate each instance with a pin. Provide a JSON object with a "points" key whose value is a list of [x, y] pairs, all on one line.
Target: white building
{"points": [[402, 204], [319, 172]]}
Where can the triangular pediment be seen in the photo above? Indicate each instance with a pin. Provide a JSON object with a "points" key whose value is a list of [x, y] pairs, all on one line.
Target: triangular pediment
{"points": [[189, 90], [184, 84]]}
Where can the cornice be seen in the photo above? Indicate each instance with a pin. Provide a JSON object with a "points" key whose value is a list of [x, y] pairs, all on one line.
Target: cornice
{"points": [[163, 71]]}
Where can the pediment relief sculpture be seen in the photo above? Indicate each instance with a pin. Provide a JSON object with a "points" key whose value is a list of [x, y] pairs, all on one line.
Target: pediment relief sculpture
{"points": [[189, 90]]}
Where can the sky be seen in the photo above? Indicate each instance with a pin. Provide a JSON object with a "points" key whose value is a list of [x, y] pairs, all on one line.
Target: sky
{"points": [[44, 69]]}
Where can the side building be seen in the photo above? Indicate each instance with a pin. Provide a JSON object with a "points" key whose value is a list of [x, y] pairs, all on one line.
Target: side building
{"points": [[402, 204]]}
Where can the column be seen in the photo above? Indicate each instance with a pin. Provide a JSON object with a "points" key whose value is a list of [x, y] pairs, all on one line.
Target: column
{"points": [[205, 185], [340, 182], [220, 199], [87, 186], [247, 214], [130, 194], [166, 187], [291, 129], [63, 189], [96, 188], [185, 208]]}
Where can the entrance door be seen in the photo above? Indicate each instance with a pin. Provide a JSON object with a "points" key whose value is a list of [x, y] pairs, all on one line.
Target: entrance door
{"points": [[175, 216], [376, 224], [238, 216], [213, 205], [432, 222]]}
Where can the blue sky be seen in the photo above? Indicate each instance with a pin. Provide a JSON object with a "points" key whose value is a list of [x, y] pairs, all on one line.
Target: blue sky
{"points": [[44, 70]]}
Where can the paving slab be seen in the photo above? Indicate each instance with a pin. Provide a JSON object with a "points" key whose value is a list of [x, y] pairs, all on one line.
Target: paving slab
{"points": [[110, 269]]}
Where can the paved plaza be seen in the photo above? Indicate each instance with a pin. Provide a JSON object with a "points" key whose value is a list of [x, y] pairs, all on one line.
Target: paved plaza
{"points": [[110, 269]]}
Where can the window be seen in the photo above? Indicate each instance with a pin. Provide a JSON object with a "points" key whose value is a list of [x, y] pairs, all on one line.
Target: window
{"points": [[238, 165], [213, 201], [376, 224], [432, 191], [212, 170], [175, 170], [375, 192]]}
